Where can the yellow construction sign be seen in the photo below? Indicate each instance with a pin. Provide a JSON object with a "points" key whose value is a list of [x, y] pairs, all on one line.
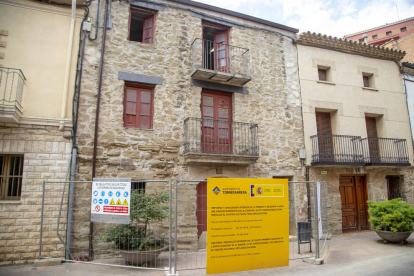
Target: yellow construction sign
{"points": [[247, 224], [112, 202], [125, 202], [118, 202]]}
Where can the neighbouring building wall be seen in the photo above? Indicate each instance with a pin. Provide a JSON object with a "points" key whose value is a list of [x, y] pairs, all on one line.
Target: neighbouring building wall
{"points": [[272, 102], [34, 38]]}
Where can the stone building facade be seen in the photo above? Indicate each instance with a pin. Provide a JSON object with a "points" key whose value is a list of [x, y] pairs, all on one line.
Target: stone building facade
{"points": [[265, 97], [356, 125]]}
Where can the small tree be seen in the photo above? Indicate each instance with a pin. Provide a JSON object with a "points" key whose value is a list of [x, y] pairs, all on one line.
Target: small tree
{"points": [[391, 215], [144, 209]]}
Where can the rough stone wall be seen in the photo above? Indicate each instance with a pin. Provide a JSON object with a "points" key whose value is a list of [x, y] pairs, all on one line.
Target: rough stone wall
{"points": [[46, 154], [273, 102], [376, 187]]}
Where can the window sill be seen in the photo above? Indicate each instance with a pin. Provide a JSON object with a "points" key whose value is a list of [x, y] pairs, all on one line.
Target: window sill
{"points": [[370, 88], [136, 128], [326, 82], [10, 201]]}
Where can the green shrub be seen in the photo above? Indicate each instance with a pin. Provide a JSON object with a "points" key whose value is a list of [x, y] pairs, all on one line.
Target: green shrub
{"points": [[144, 209], [391, 215]]}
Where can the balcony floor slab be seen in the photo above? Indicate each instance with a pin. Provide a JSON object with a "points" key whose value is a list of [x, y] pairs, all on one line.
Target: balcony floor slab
{"points": [[195, 158]]}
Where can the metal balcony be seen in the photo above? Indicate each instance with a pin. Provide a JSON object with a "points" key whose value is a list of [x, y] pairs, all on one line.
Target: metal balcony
{"points": [[216, 141], [11, 94], [336, 150], [385, 152], [219, 62]]}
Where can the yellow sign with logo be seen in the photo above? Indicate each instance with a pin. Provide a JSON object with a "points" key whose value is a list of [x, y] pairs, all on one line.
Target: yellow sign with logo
{"points": [[247, 224]]}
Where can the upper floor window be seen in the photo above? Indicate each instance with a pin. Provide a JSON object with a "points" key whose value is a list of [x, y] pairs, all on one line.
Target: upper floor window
{"points": [[389, 33], [368, 80], [11, 169], [361, 40], [138, 106], [374, 36], [141, 26], [403, 29], [324, 73]]}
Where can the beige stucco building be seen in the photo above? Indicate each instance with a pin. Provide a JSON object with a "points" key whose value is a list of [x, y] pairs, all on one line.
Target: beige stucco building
{"points": [[356, 125], [37, 80]]}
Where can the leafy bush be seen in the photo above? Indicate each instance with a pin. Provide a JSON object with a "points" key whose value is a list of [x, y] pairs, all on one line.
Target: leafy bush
{"points": [[391, 215], [144, 209]]}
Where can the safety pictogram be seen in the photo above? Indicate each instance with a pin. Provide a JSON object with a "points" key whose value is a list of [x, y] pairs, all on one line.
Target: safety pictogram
{"points": [[112, 202], [118, 202], [97, 208], [125, 202]]}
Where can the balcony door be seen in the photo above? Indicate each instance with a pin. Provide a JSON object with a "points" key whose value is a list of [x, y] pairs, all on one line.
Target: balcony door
{"points": [[221, 49], [216, 110], [216, 50], [324, 130], [373, 144]]}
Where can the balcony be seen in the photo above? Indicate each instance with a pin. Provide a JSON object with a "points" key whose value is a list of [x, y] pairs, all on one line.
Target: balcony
{"points": [[11, 93], [353, 150], [385, 152], [219, 62], [336, 150], [209, 141]]}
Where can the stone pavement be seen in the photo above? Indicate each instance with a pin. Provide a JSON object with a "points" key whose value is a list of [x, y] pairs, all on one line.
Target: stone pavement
{"points": [[362, 253]]}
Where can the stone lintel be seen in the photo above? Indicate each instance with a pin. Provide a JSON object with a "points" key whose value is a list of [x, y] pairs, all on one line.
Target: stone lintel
{"points": [[217, 21], [205, 158], [140, 78], [218, 86], [151, 6]]}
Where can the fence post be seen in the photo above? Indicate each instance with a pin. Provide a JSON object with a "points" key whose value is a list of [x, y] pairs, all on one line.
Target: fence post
{"points": [[170, 231], [176, 229], [41, 220], [70, 204], [316, 218]]}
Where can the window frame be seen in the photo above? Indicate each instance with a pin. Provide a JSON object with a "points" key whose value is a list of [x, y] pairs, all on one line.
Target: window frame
{"points": [[403, 29], [370, 78], [139, 88], [152, 14], [5, 176], [388, 33], [328, 73], [375, 36]]}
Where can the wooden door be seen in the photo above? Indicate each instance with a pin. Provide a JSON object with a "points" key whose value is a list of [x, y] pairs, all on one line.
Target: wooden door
{"points": [[216, 109], [348, 202], [361, 196], [373, 144], [324, 130], [201, 212], [353, 200], [221, 50]]}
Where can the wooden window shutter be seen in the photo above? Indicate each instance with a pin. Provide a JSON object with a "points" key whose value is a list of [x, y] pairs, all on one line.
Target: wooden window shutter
{"points": [[366, 81], [130, 106], [322, 75], [323, 122], [148, 33], [371, 127]]}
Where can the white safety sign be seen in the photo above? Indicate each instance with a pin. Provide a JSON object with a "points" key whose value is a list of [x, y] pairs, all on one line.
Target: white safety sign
{"points": [[111, 200]]}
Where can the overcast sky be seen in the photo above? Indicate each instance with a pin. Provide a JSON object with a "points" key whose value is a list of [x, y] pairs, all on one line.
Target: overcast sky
{"points": [[335, 17]]}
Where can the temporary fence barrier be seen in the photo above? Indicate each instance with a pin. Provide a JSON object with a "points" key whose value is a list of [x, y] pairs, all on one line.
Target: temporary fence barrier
{"points": [[168, 218]]}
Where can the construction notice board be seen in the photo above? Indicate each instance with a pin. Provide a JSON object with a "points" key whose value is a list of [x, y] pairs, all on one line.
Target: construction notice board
{"points": [[111, 200], [247, 224]]}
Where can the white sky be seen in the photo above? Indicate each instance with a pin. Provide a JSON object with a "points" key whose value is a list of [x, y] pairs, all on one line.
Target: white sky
{"points": [[330, 17]]}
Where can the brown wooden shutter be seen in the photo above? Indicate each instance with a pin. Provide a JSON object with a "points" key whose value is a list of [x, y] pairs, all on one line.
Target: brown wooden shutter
{"points": [[371, 127], [148, 33], [138, 106], [322, 75], [145, 120], [323, 122], [366, 81]]}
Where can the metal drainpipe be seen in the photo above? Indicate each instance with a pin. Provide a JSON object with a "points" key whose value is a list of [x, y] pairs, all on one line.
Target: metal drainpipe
{"points": [[68, 61], [95, 141], [308, 193]]}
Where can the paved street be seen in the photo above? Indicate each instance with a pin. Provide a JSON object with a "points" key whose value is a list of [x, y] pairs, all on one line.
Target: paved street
{"points": [[349, 254]]}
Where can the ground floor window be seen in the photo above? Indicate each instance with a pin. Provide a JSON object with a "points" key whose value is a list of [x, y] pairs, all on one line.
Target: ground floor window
{"points": [[393, 187], [140, 186], [11, 169]]}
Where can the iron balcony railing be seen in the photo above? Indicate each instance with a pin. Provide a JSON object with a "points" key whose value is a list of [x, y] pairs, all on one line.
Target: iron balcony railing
{"points": [[336, 149], [385, 151], [220, 137], [220, 57], [11, 87]]}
